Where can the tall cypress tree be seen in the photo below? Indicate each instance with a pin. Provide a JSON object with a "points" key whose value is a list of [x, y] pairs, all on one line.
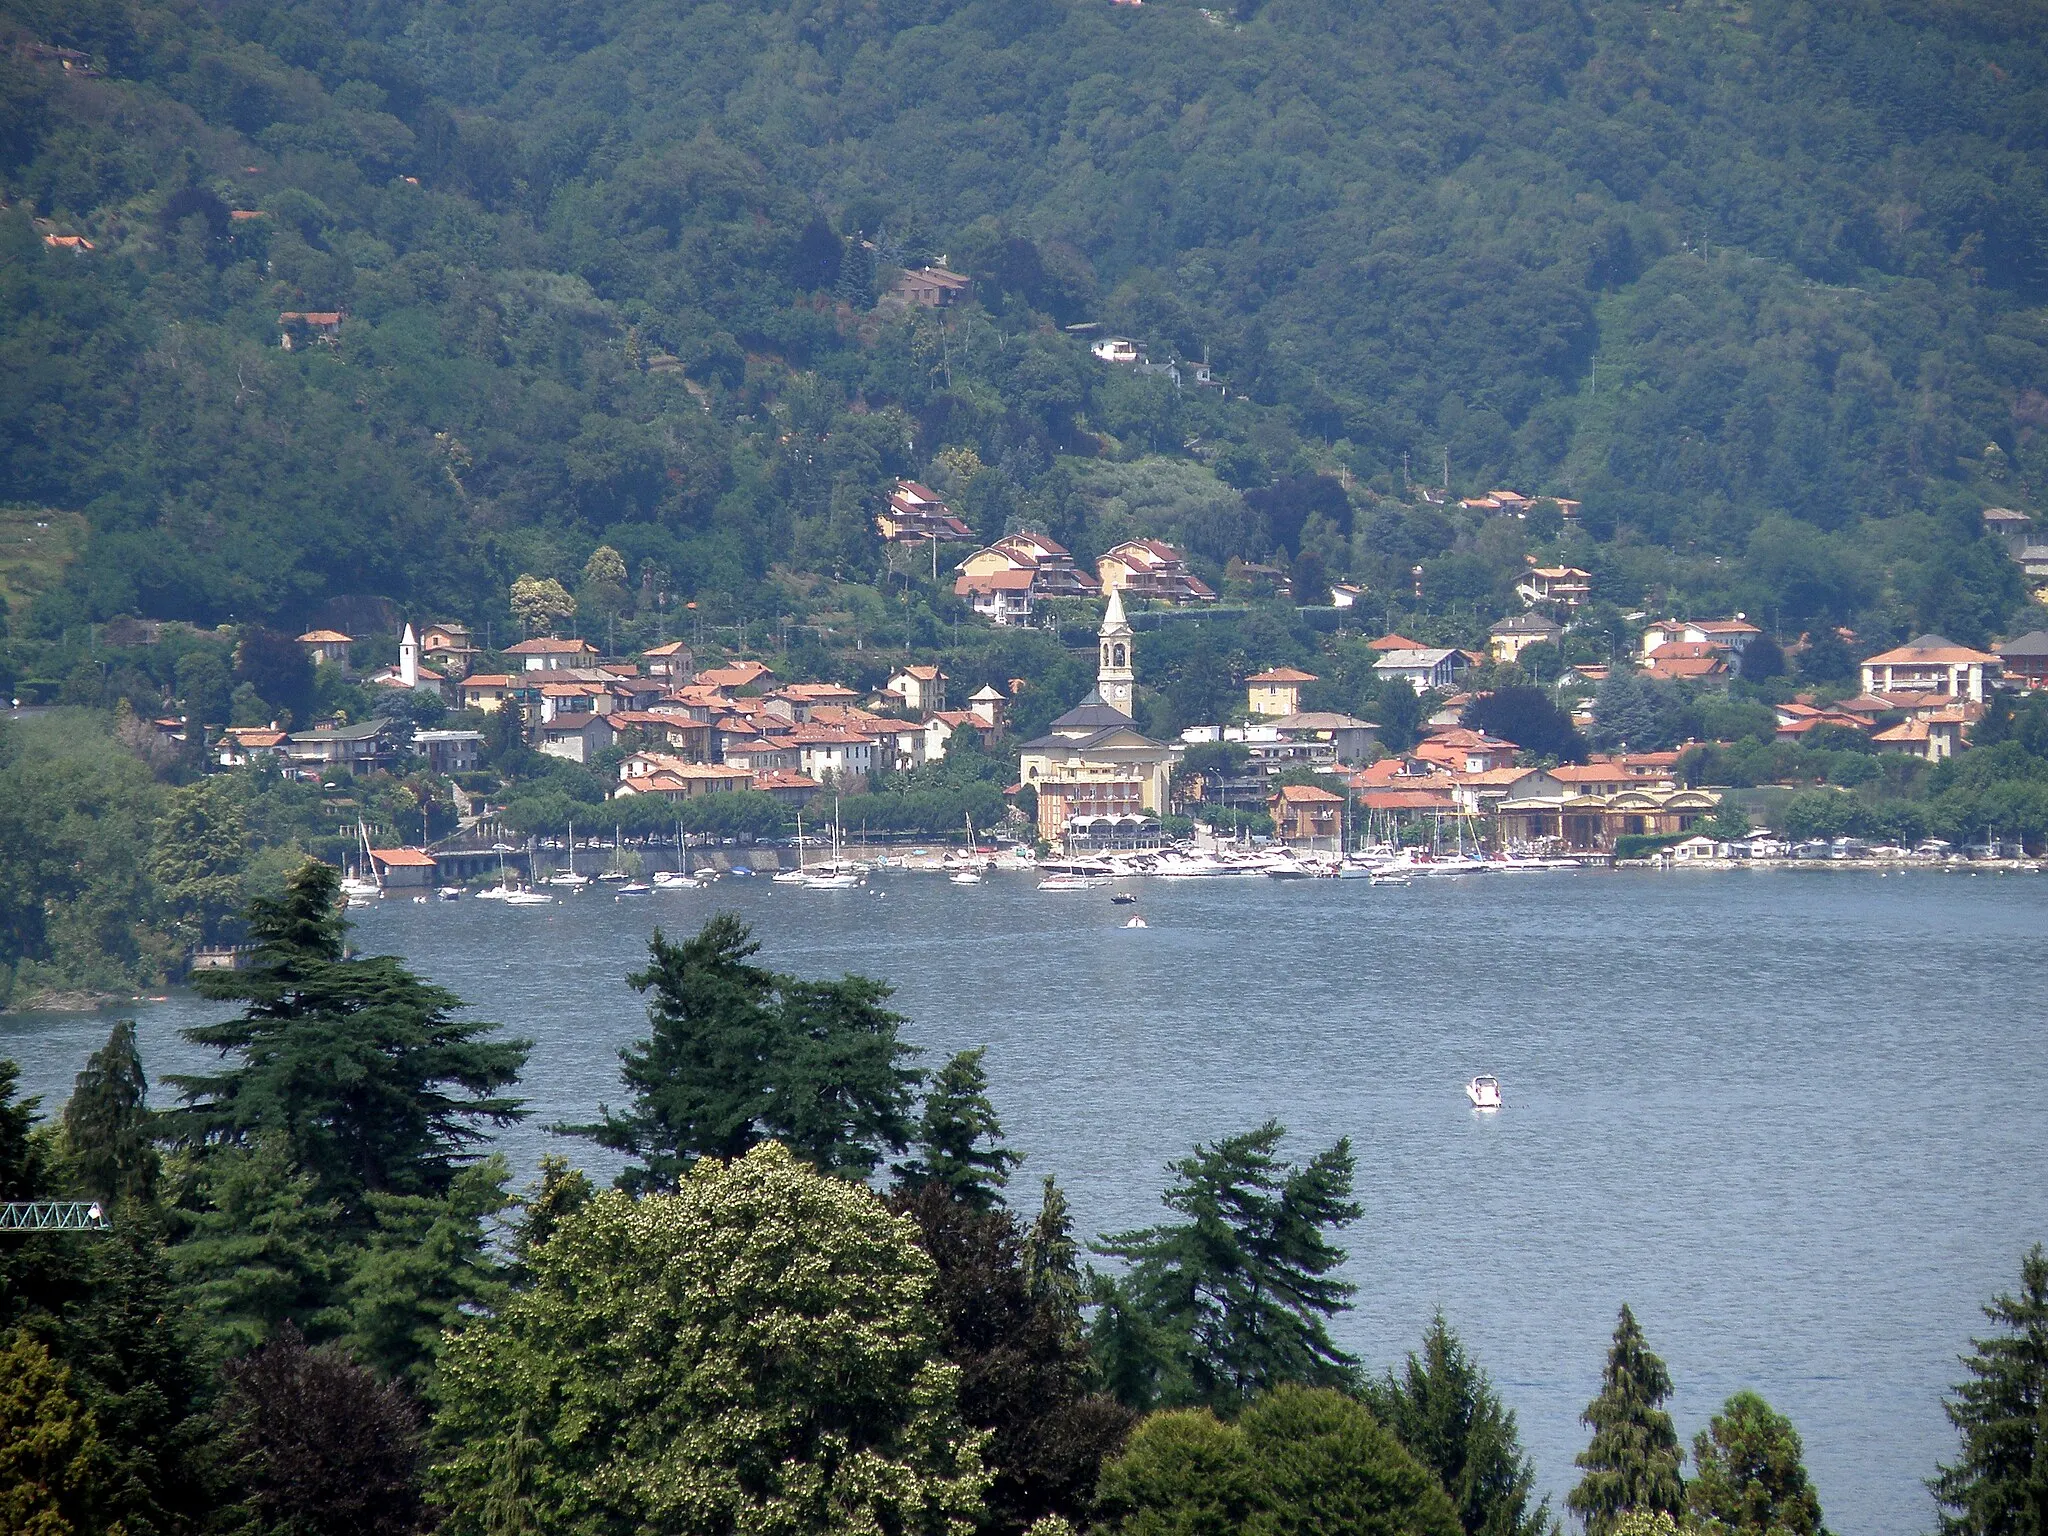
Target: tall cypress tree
{"points": [[1632, 1462], [108, 1125], [1446, 1412], [736, 1054], [1235, 1299], [960, 1140], [1998, 1486], [360, 1066]]}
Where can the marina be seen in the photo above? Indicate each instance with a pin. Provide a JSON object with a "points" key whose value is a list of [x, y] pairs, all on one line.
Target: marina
{"points": [[1656, 1036]]}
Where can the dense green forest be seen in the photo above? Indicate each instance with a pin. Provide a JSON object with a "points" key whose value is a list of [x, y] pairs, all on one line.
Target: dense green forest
{"points": [[1761, 286], [815, 1300]]}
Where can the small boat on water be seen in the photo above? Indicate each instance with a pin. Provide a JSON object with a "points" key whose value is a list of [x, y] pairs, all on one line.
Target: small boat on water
{"points": [[669, 880], [527, 899], [1123, 899], [449, 893], [1484, 1091], [1073, 882], [1137, 922], [966, 877], [1389, 877], [633, 888]]}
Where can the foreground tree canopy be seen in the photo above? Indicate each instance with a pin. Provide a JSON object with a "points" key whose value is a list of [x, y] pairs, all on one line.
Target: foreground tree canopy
{"points": [[750, 1353]]}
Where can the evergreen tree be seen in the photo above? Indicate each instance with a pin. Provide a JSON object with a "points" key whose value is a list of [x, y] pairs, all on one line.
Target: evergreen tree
{"points": [[1447, 1414], [1235, 1299], [1998, 1486], [1023, 1366], [736, 1054], [52, 1461], [1632, 1462], [1748, 1476], [427, 1266], [107, 1124], [104, 1310], [358, 1064], [261, 1247], [321, 1447], [1052, 1259], [959, 1140], [1625, 712]]}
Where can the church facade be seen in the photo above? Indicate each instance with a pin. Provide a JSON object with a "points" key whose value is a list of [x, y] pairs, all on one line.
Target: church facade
{"points": [[1100, 781]]}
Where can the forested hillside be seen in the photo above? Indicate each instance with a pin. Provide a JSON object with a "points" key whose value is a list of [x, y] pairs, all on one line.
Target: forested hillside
{"points": [[1761, 285]]}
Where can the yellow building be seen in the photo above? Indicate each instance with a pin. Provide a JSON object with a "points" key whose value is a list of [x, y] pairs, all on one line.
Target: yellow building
{"points": [[1276, 693], [1100, 781]]}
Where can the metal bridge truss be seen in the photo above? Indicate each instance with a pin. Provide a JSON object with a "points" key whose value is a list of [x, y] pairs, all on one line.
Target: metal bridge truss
{"points": [[52, 1216]]}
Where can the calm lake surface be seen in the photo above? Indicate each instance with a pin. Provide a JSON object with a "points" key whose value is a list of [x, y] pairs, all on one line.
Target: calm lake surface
{"points": [[1794, 1119]]}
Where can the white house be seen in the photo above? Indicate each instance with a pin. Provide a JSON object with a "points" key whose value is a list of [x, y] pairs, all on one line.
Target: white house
{"points": [[1422, 670]]}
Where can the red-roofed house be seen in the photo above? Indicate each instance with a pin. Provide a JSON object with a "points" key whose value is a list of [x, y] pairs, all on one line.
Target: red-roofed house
{"points": [[1307, 817], [1151, 568], [733, 674], [403, 867], [1930, 664]]}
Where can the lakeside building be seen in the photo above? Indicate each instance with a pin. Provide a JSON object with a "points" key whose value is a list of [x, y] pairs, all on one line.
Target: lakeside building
{"points": [[1591, 823], [1308, 818], [1100, 781]]}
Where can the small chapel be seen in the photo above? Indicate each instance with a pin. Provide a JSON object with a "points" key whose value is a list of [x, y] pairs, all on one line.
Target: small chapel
{"points": [[1100, 781]]}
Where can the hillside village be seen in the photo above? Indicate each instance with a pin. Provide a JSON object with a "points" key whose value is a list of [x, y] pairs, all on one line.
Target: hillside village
{"points": [[670, 734]]}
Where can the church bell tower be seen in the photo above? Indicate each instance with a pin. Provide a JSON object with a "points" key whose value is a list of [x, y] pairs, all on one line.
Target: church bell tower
{"points": [[1114, 678]]}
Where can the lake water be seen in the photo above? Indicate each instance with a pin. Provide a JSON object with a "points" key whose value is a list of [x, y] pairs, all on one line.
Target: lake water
{"points": [[1794, 1119]]}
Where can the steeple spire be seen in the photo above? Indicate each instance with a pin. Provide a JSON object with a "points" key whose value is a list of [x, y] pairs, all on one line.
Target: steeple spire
{"points": [[1115, 677]]}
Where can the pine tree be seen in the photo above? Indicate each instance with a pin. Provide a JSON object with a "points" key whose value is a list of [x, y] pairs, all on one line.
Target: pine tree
{"points": [[736, 1054], [52, 1461], [1023, 1367], [261, 1247], [1998, 1486], [358, 1064], [959, 1140], [427, 1266], [1240, 1293], [1052, 1259], [108, 1125], [1446, 1412], [1748, 1476], [1632, 1462]]}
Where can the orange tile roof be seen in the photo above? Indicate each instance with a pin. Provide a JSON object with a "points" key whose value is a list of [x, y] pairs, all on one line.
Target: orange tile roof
{"points": [[403, 858], [1283, 675]]}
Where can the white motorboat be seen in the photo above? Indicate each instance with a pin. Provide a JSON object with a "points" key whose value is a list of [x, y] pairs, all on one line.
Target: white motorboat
{"points": [[967, 877], [669, 880], [1484, 1091], [834, 877], [1389, 877], [568, 880], [449, 893], [527, 899], [634, 888], [1073, 882]]}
